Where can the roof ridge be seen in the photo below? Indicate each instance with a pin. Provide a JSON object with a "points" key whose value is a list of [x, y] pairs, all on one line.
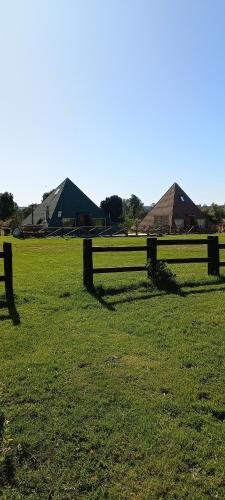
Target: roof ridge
{"points": [[173, 205]]}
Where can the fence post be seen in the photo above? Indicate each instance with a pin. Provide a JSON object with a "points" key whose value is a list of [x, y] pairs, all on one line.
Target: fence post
{"points": [[214, 256], [152, 251], [87, 264], [7, 248]]}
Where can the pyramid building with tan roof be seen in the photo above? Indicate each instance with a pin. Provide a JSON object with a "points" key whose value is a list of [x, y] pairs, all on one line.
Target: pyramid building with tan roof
{"points": [[175, 211]]}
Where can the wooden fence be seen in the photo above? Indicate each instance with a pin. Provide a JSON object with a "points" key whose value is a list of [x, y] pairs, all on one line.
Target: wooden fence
{"points": [[151, 246], [8, 270]]}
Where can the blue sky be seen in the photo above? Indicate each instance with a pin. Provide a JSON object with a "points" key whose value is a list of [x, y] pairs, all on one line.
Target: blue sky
{"points": [[122, 96]]}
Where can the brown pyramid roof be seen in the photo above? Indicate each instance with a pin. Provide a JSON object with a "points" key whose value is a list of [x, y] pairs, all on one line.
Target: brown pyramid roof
{"points": [[175, 204]]}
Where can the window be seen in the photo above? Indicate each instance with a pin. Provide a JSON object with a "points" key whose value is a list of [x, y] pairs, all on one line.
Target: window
{"points": [[201, 223], [69, 222], [161, 220], [98, 222], [182, 198], [179, 222], [60, 213]]}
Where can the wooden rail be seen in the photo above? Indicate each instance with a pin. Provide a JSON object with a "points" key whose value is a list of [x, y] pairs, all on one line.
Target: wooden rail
{"points": [[8, 270], [119, 249], [124, 269], [188, 260], [183, 242], [212, 259]]}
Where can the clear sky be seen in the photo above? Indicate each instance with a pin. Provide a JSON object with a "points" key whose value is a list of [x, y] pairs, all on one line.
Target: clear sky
{"points": [[121, 96]]}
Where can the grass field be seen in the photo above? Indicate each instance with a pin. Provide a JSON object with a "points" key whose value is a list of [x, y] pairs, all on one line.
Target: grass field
{"points": [[119, 395]]}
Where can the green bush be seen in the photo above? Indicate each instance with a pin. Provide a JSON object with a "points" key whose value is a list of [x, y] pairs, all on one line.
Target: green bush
{"points": [[161, 276]]}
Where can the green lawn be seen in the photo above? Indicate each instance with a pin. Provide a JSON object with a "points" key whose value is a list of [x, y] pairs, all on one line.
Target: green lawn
{"points": [[119, 395]]}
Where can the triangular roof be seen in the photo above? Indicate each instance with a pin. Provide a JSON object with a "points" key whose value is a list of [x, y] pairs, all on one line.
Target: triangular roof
{"points": [[175, 203], [68, 199]]}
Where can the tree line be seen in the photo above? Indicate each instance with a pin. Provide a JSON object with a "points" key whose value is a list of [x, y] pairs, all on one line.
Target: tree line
{"points": [[128, 211], [216, 213]]}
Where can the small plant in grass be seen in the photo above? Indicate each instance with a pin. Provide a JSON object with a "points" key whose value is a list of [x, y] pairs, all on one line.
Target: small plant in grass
{"points": [[161, 277], [6, 455]]}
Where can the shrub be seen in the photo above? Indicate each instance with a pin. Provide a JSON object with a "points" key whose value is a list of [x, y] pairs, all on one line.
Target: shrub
{"points": [[161, 276]]}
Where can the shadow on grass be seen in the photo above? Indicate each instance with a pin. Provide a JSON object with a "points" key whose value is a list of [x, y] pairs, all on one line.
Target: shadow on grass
{"points": [[219, 281], [100, 293], [13, 314], [202, 291], [95, 293], [205, 282], [107, 291]]}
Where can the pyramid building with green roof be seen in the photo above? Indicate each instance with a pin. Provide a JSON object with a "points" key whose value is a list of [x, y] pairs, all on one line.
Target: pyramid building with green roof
{"points": [[68, 206]]}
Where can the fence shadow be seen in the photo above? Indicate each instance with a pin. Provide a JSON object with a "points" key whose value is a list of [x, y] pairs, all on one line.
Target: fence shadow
{"points": [[206, 290], [219, 280], [13, 314], [97, 295], [101, 293], [111, 291]]}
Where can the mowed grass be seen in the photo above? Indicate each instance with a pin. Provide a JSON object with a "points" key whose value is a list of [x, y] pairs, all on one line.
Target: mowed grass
{"points": [[119, 395]]}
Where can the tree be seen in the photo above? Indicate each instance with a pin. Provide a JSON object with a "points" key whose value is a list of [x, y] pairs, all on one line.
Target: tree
{"points": [[215, 212], [133, 208], [113, 207], [7, 205], [136, 206], [45, 195]]}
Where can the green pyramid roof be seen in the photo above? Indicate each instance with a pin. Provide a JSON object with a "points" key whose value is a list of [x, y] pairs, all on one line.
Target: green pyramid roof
{"points": [[67, 199]]}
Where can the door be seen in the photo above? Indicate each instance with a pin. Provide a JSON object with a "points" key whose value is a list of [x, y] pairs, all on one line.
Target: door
{"points": [[83, 220]]}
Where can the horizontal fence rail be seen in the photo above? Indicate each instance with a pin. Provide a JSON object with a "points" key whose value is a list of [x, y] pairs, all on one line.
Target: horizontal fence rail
{"points": [[8, 270], [124, 269], [183, 242], [188, 260], [119, 249], [212, 259]]}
